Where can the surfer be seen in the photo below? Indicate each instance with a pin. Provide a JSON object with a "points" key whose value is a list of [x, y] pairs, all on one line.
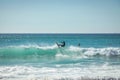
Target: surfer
{"points": [[62, 44], [79, 44]]}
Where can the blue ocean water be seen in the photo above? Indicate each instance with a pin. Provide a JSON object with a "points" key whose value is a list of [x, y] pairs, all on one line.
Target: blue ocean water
{"points": [[37, 55]]}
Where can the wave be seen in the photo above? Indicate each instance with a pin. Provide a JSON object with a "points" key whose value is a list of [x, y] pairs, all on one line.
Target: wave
{"points": [[51, 52], [35, 73], [109, 51], [63, 64]]}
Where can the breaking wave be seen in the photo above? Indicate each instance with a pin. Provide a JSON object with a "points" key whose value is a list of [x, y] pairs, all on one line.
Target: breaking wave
{"points": [[47, 73], [58, 63], [36, 51]]}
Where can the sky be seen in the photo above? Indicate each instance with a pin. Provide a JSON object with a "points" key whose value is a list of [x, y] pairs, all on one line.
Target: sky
{"points": [[59, 16]]}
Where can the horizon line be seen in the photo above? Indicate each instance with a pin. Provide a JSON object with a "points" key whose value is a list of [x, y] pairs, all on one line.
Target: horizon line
{"points": [[58, 33]]}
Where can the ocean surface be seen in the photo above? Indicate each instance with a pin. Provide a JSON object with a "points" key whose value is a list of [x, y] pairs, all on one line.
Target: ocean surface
{"points": [[37, 57]]}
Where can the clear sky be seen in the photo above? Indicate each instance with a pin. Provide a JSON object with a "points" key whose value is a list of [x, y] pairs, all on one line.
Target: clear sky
{"points": [[59, 16]]}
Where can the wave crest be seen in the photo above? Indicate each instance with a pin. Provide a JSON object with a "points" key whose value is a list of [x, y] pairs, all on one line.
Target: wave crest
{"points": [[46, 52], [109, 51]]}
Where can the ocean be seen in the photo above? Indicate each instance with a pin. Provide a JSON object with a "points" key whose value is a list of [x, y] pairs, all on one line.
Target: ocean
{"points": [[37, 57]]}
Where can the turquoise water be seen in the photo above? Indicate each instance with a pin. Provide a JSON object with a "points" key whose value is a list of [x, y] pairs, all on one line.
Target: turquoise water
{"points": [[37, 55]]}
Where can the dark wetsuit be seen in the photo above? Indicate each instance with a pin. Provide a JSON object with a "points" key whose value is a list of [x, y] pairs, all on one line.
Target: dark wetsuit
{"points": [[79, 44], [63, 44]]}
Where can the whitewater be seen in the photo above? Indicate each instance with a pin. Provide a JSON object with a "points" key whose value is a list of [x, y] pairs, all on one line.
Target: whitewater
{"points": [[37, 57]]}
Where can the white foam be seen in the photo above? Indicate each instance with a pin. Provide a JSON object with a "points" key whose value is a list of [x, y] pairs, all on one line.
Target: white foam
{"points": [[48, 47], [61, 56], [110, 51], [74, 48], [35, 46], [33, 73]]}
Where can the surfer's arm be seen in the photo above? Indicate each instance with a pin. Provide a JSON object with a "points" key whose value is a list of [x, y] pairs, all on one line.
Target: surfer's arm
{"points": [[58, 44]]}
